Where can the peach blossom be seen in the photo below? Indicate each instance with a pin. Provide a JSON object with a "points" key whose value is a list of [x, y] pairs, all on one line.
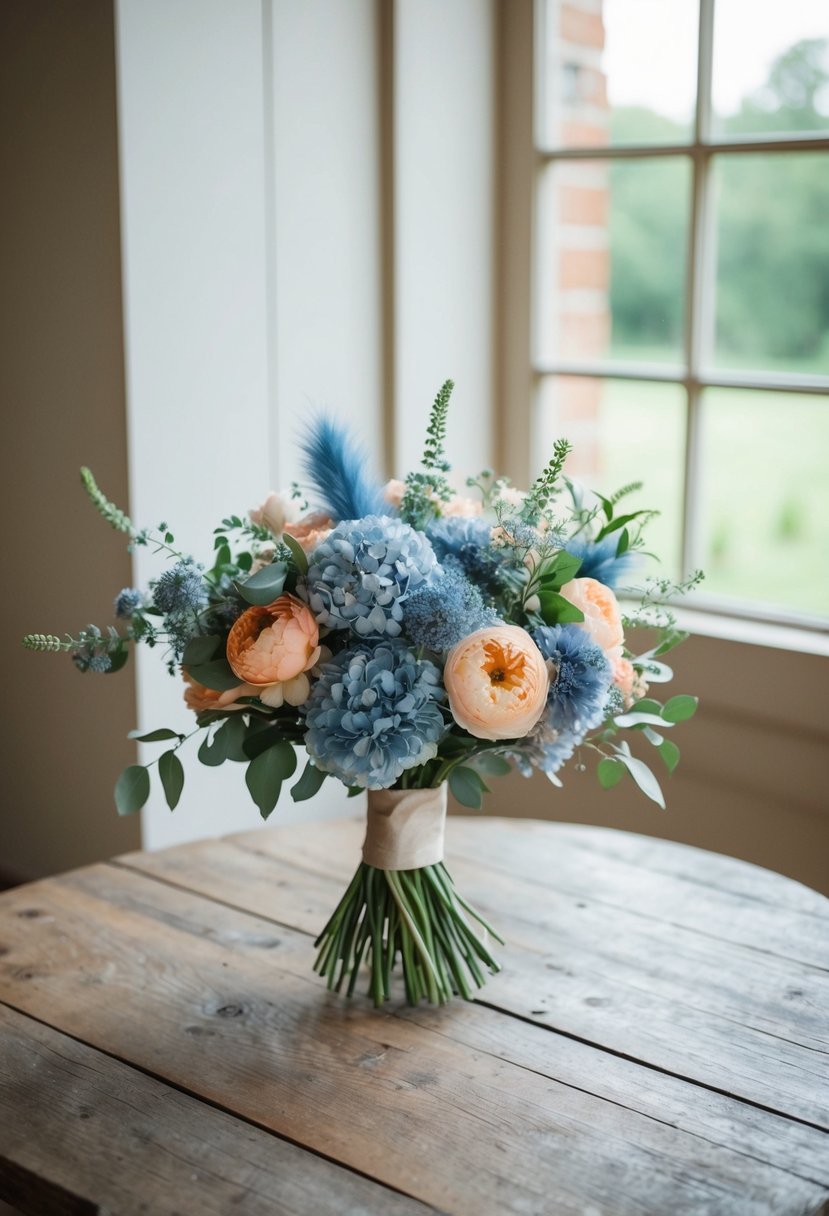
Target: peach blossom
{"points": [[311, 530], [274, 513], [461, 506], [602, 616], [272, 647], [393, 492], [631, 683], [497, 682]]}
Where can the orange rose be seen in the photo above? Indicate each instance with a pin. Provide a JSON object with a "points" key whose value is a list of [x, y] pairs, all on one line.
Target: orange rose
{"points": [[497, 683], [602, 616], [272, 647]]}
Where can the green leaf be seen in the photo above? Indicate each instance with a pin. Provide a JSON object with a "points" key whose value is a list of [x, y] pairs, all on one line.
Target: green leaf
{"points": [[172, 777], [132, 789], [646, 706], [559, 570], [674, 638], [610, 772], [200, 650], [669, 752], [117, 658], [265, 586], [266, 773], [641, 719], [643, 777], [655, 672], [624, 542], [216, 675], [467, 786], [680, 709], [309, 783], [234, 732], [354, 790], [619, 522], [556, 610], [154, 736], [297, 552], [492, 765], [212, 751], [258, 741]]}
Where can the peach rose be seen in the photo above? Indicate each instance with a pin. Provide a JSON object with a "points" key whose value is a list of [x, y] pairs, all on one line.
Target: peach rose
{"points": [[198, 698], [631, 683], [275, 512], [311, 530], [497, 683], [466, 508], [393, 492], [602, 617], [272, 647]]}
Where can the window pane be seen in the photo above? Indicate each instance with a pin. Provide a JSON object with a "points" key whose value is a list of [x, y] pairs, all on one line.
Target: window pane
{"points": [[623, 431], [766, 498], [770, 74], [617, 72], [772, 308], [612, 259]]}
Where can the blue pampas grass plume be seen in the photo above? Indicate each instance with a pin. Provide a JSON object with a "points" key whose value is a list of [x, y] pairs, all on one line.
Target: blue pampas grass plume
{"points": [[336, 469]]}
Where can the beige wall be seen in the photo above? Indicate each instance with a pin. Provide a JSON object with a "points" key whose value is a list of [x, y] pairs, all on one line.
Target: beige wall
{"points": [[62, 393]]}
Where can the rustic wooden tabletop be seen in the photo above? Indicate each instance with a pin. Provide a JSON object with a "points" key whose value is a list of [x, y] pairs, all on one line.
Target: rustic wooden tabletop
{"points": [[656, 1043]]}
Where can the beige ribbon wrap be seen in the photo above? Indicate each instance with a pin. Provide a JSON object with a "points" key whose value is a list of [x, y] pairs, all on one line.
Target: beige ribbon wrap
{"points": [[404, 828]]}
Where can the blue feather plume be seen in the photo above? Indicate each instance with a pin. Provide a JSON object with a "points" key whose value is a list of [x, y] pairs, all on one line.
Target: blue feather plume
{"points": [[336, 469]]}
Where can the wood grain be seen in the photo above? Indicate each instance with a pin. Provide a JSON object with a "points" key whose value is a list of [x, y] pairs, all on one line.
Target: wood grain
{"points": [[678, 997], [221, 1003], [71, 1117]]}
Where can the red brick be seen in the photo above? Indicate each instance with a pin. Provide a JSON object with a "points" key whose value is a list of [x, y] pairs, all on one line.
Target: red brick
{"points": [[584, 29], [584, 335], [584, 135], [583, 205], [583, 268]]}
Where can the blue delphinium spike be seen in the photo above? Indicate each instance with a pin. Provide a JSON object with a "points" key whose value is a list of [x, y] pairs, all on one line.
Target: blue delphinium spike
{"points": [[336, 468]]}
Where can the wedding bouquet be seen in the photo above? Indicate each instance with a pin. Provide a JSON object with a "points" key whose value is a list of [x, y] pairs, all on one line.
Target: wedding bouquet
{"points": [[408, 639]]}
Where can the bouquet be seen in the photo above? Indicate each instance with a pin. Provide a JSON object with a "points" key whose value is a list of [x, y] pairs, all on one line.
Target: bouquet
{"points": [[409, 639]]}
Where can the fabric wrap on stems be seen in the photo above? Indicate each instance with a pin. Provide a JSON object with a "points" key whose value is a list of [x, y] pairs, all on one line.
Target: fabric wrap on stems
{"points": [[404, 828]]}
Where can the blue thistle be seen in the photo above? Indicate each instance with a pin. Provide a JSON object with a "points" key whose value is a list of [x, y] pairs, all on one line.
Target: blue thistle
{"points": [[335, 466], [439, 614], [599, 560], [468, 541], [374, 713], [577, 698], [126, 601], [179, 589]]}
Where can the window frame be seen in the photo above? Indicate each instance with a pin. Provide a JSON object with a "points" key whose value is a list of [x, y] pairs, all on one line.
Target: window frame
{"points": [[694, 374]]}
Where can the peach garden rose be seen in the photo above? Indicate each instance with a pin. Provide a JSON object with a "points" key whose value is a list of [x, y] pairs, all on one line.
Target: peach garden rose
{"points": [[497, 682], [602, 615], [272, 648]]}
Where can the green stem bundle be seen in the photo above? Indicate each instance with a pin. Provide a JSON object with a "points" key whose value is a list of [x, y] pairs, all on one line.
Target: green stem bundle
{"points": [[416, 916]]}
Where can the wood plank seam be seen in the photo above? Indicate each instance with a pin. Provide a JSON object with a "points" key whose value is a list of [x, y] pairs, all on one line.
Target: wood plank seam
{"points": [[226, 1110], [702, 1085]]}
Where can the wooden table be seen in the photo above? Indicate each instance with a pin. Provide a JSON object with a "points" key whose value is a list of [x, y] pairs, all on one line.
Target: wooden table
{"points": [[656, 1042]]}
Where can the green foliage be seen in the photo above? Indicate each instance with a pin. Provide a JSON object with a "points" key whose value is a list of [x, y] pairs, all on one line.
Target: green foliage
{"points": [[467, 786], [216, 675], [680, 708], [546, 486], [172, 777], [155, 736], [44, 642], [265, 586], [309, 783], [132, 789], [610, 772], [266, 773], [106, 509], [424, 491]]}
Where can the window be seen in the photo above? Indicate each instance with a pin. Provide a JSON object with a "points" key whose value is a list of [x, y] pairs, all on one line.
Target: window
{"points": [[681, 296]]}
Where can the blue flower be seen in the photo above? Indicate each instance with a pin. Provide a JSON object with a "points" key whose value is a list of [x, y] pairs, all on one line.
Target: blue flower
{"points": [[468, 541], [578, 692], [373, 713], [361, 574], [179, 589], [127, 601], [439, 614], [599, 560], [545, 748]]}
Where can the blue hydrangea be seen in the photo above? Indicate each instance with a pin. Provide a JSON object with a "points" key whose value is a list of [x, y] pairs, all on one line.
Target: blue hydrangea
{"points": [[126, 601], [361, 574], [373, 713], [439, 614], [179, 589], [545, 748], [599, 560], [578, 689], [468, 541]]}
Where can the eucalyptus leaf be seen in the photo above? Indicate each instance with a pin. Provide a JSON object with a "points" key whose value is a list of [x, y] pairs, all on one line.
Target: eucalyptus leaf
{"points": [[610, 772], [492, 765], [656, 672], [216, 675], [234, 732], [266, 773], [680, 709], [172, 777], [265, 586], [669, 752], [154, 736], [297, 552], [354, 790], [200, 650], [309, 783], [117, 658], [132, 789], [643, 777], [212, 751], [467, 786]]}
